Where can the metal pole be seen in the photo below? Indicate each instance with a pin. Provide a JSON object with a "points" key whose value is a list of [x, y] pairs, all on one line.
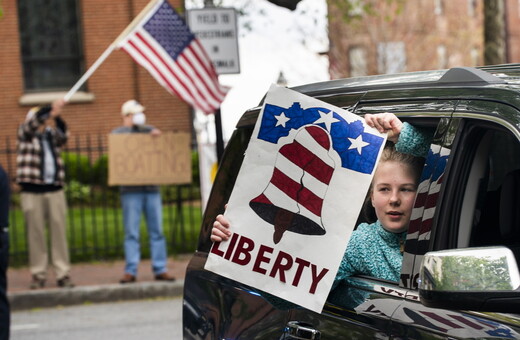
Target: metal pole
{"points": [[220, 140]]}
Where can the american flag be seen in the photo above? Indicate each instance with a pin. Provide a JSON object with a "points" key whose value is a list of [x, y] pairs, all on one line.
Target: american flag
{"points": [[164, 45]]}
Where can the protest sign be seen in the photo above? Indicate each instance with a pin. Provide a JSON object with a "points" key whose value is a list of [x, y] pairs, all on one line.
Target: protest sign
{"points": [[298, 194], [143, 159]]}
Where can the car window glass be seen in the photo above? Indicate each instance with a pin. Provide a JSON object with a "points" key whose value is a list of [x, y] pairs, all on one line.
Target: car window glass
{"points": [[490, 214], [224, 182]]}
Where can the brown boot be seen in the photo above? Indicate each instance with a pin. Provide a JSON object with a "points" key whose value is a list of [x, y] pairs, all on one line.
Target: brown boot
{"points": [[164, 277], [127, 278], [65, 282], [37, 282]]}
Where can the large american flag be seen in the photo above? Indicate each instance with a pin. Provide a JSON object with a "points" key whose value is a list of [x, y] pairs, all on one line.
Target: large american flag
{"points": [[164, 45]]}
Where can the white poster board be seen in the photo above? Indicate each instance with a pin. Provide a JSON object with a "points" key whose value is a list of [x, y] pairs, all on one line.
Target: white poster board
{"points": [[297, 197]]}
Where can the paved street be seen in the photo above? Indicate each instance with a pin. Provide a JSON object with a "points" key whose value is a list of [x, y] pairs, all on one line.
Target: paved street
{"points": [[129, 320]]}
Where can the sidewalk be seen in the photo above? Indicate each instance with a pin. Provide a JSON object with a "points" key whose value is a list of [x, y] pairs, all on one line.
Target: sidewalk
{"points": [[95, 282]]}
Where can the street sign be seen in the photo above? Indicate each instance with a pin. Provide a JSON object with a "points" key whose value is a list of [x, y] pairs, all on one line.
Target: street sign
{"points": [[216, 29]]}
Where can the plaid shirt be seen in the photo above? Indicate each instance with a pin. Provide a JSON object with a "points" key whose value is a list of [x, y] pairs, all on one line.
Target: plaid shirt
{"points": [[30, 155]]}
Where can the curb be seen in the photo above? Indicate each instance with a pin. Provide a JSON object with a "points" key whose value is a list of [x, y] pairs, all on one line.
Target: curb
{"points": [[93, 294]]}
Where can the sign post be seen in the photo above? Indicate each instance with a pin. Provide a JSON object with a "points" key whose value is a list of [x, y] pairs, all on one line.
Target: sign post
{"points": [[216, 29]]}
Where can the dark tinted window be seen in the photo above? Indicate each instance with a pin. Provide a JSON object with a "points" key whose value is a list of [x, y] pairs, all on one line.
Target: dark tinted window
{"points": [[50, 44], [493, 189], [224, 182]]}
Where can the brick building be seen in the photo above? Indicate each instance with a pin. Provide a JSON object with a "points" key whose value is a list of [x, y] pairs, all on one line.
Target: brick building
{"points": [[95, 110], [413, 35]]}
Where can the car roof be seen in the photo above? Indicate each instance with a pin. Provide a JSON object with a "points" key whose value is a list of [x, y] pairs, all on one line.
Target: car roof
{"points": [[500, 83]]}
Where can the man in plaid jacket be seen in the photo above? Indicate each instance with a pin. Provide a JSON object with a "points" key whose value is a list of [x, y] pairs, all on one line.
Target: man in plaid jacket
{"points": [[41, 175]]}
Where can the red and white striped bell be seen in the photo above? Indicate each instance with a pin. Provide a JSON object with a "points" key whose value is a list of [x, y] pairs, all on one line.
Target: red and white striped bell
{"points": [[293, 198]]}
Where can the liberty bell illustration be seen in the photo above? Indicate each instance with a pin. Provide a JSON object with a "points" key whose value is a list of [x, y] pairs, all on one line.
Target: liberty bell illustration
{"points": [[293, 198]]}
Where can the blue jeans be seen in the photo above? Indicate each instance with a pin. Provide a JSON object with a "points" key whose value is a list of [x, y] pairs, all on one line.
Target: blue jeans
{"points": [[134, 205]]}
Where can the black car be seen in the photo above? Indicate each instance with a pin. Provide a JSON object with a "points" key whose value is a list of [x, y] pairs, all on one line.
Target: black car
{"points": [[459, 278]]}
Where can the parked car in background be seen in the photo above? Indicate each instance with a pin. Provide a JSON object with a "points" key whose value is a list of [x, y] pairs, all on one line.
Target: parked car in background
{"points": [[460, 278]]}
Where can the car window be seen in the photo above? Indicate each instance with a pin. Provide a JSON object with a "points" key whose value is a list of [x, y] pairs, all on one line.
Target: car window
{"points": [[224, 182], [490, 208]]}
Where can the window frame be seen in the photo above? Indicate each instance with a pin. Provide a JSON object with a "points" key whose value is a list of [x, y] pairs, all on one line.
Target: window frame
{"points": [[42, 72]]}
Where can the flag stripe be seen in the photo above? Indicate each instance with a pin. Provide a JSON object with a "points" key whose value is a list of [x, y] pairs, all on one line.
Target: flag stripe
{"points": [[206, 77], [192, 94], [204, 61], [182, 90]]}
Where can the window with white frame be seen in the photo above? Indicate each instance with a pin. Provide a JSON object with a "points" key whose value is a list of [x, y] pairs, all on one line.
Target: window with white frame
{"points": [[439, 7], [358, 61], [391, 57], [442, 59]]}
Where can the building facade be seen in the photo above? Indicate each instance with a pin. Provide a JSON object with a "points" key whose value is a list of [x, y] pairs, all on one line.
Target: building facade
{"points": [[46, 49], [404, 35]]}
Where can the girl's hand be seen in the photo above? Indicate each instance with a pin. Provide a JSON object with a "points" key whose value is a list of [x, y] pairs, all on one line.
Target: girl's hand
{"points": [[220, 231], [385, 122]]}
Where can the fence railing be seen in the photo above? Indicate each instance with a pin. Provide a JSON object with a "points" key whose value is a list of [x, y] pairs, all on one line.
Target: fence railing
{"points": [[94, 219]]}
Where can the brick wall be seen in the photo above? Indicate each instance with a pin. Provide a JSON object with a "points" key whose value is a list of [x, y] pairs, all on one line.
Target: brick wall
{"points": [[118, 79], [418, 26]]}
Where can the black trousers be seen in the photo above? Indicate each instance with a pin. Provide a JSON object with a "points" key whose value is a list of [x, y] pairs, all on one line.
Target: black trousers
{"points": [[5, 315]]}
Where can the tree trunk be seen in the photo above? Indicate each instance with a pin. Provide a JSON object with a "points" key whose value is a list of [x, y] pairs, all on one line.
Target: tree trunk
{"points": [[494, 32]]}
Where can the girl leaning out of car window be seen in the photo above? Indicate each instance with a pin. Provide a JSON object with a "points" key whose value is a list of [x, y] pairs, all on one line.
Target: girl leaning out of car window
{"points": [[376, 249]]}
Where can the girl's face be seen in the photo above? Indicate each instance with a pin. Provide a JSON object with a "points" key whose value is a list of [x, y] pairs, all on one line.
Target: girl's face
{"points": [[393, 195]]}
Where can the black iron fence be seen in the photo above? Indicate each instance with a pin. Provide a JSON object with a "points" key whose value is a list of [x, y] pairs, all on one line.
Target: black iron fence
{"points": [[94, 219]]}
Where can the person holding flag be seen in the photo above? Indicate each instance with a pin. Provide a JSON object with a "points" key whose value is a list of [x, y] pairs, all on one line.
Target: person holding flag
{"points": [[41, 176], [159, 40]]}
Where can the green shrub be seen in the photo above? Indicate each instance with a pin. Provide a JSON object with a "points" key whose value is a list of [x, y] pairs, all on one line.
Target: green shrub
{"points": [[77, 167], [100, 171], [77, 192], [195, 168]]}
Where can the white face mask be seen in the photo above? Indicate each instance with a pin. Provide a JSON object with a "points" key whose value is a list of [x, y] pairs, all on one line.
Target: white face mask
{"points": [[138, 118]]}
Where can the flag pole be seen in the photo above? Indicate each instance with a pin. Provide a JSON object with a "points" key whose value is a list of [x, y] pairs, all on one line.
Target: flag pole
{"points": [[89, 72], [109, 50], [136, 20]]}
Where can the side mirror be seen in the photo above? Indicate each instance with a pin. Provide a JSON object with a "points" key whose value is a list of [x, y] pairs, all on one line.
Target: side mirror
{"points": [[478, 279]]}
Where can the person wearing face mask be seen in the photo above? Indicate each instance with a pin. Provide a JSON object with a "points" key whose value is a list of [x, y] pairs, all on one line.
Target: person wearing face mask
{"points": [[41, 176], [137, 200]]}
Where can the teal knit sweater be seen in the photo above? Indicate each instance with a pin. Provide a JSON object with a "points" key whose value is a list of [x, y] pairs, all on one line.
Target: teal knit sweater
{"points": [[372, 250]]}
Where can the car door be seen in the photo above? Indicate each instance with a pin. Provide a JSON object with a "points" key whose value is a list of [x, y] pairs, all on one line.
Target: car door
{"points": [[476, 206]]}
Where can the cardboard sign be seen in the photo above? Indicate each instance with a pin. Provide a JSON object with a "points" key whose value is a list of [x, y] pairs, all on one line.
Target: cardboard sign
{"points": [[297, 197], [143, 159]]}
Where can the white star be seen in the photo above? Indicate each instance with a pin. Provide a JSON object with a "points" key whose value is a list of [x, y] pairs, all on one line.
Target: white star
{"points": [[281, 119], [357, 143], [327, 119]]}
